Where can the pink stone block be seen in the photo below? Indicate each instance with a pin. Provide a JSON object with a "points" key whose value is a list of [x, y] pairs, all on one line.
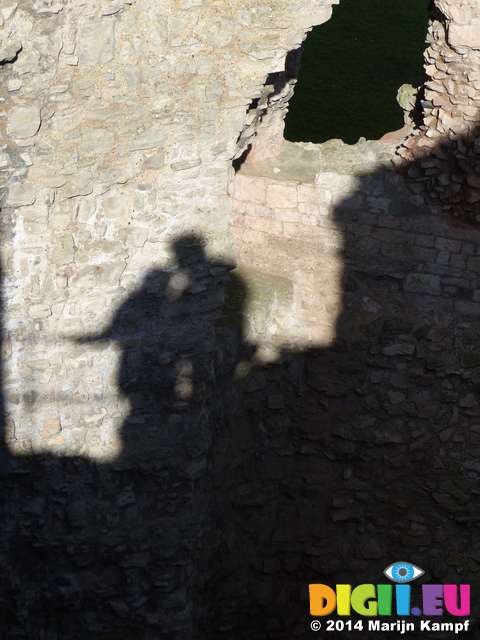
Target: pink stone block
{"points": [[286, 215], [307, 193], [309, 208], [309, 219], [238, 220], [254, 237], [249, 189], [291, 229], [282, 196], [266, 225], [258, 210]]}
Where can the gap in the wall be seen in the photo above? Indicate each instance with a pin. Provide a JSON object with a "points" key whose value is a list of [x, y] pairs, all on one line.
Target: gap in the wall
{"points": [[352, 68], [238, 162]]}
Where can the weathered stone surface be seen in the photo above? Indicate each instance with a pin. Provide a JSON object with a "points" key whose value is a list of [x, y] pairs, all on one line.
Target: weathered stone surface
{"points": [[24, 122], [97, 43], [315, 424], [10, 45]]}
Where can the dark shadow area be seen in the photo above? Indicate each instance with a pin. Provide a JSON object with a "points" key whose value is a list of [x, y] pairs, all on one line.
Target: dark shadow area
{"points": [[366, 452], [352, 68], [446, 168], [240, 484], [117, 550]]}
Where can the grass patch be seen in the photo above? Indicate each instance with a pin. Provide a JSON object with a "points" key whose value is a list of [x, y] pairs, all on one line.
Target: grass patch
{"points": [[352, 67]]}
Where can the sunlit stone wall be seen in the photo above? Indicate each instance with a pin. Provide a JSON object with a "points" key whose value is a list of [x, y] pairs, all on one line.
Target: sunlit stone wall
{"points": [[119, 124], [441, 156]]}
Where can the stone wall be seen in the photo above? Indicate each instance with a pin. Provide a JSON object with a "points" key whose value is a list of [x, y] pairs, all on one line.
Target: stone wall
{"points": [[187, 446], [366, 433], [441, 157], [120, 121]]}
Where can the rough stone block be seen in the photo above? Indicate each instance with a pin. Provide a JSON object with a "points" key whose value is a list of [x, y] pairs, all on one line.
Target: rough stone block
{"points": [[267, 225], [97, 141], [309, 208], [291, 229], [423, 283], [257, 211], [254, 237], [24, 122], [282, 196], [468, 308], [307, 193], [443, 257], [446, 244], [465, 35], [474, 264], [458, 261], [38, 311], [113, 206], [286, 215], [63, 249], [98, 275], [97, 42], [21, 194], [250, 189]]}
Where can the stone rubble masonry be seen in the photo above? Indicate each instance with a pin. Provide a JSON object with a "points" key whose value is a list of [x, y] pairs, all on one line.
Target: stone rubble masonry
{"points": [[375, 421], [441, 156], [328, 422], [119, 124], [312, 221]]}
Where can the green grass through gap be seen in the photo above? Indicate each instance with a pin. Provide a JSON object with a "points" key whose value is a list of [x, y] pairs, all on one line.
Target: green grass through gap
{"points": [[352, 67]]}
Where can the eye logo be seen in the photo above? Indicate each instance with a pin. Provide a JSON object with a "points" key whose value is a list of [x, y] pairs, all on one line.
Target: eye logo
{"points": [[403, 572]]}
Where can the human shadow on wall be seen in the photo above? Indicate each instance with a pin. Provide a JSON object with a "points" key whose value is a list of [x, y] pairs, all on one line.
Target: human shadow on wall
{"points": [[166, 335], [118, 550], [239, 483], [366, 452]]}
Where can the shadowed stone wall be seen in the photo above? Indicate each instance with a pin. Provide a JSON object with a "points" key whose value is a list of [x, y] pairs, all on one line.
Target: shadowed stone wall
{"points": [[120, 121], [366, 434], [186, 449], [441, 157]]}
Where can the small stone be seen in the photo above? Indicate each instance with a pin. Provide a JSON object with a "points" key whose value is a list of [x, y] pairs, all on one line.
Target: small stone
{"points": [[423, 283], [396, 397], [63, 249], [24, 122], [340, 515], [38, 311], [398, 381], [347, 474], [399, 349], [454, 418], [468, 401], [51, 426], [14, 84], [9, 47], [183, 165], [97, 43], [428, 412], [21, 194], [149, 140], [398, 461], [453, 559], [154, 162], [445, 434]]}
